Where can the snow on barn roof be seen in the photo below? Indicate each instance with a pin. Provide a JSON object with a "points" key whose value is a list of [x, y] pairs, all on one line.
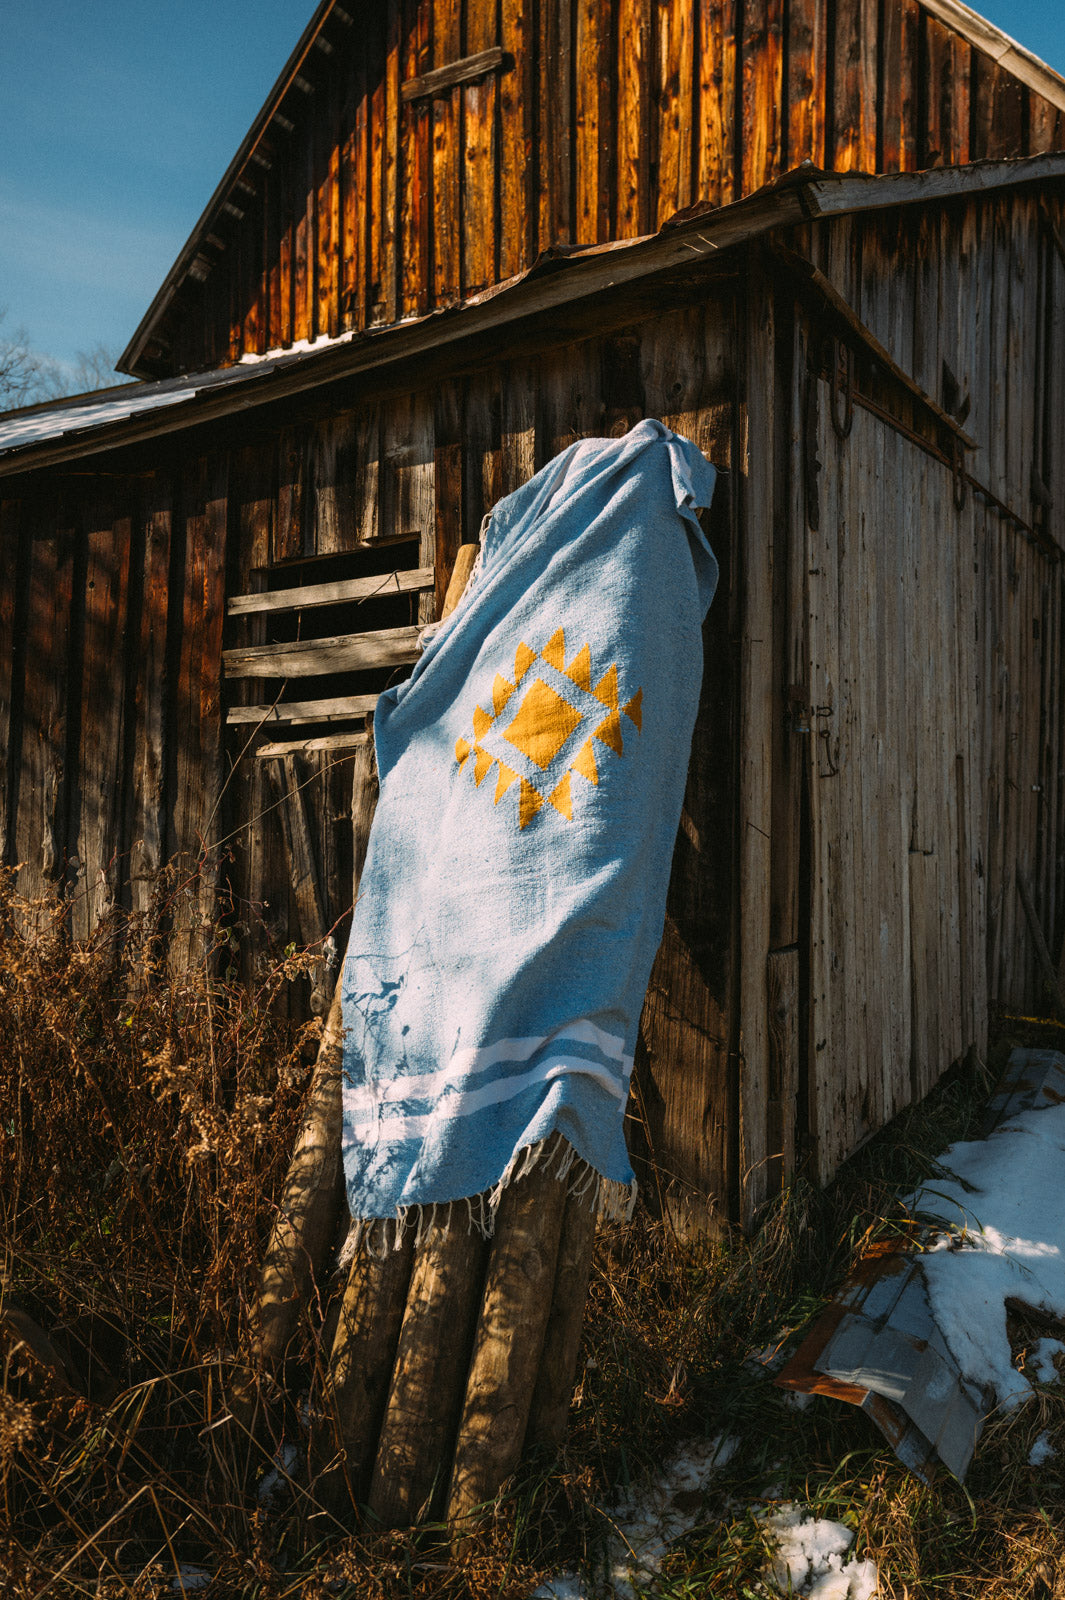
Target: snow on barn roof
{"points": [[42, 435]]}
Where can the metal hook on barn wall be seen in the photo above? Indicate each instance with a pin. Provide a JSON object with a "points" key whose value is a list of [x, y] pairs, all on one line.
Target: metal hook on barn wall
{"points": [[842, 384]]}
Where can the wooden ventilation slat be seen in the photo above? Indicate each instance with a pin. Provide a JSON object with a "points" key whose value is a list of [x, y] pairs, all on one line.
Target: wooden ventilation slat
{"points": [[442, 79], [328, 594], [352, 652], [337, 743], [291, 713]]}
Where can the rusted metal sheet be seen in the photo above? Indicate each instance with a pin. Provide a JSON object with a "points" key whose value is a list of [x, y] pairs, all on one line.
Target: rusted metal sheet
{"points": [[877, 1345]]}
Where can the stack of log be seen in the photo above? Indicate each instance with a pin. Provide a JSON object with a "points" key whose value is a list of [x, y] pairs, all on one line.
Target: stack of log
{"points": [[451, 1353]]}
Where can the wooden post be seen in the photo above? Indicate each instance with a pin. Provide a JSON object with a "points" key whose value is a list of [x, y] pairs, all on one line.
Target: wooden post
{"points": [[360, 1366], [549, 1414], [430, 1372], [508, 1343]]}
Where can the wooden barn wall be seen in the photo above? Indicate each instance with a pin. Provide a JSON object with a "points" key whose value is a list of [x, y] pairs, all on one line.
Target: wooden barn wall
{"points": [[607, 117], [929, 658], [117, 773], [879, 747]]}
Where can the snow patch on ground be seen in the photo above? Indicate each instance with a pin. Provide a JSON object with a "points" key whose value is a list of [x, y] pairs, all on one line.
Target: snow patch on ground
{"points": [[1040, 1362], [808, 1558], [1041, 1452], [190, 1579], [277, 1482], [1007, 1242], [649, 1521]]}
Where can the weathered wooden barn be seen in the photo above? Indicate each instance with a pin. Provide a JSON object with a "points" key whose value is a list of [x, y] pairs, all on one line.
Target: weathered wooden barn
{"points": [[419, 279]]}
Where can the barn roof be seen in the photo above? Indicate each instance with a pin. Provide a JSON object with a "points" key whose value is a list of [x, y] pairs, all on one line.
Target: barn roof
{"points": [[41, 436], [330, 21]]}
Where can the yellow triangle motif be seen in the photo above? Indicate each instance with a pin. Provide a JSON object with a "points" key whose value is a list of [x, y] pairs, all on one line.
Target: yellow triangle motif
{"points": [[560, 799], [482, 764], [462, 750], [482, 721], [554, 651], [579, 670], [531, 802], [609, 732], [503, 782], [606, 690], [634, 709], [501, 692], [523, 660], [585, 764]]}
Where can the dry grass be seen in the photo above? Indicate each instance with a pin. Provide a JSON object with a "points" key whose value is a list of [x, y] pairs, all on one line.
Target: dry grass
{"points": [[144, 1128]]}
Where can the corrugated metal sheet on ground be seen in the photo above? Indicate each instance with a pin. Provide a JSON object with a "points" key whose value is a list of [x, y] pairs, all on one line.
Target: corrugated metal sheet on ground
{"points": [[877, 1345]]}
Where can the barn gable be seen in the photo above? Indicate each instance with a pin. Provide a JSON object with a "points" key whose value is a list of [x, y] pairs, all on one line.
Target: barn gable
{"points": [[417, 152]]}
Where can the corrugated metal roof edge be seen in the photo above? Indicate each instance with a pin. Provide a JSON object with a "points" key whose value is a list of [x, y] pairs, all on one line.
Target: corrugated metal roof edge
{"points": [[561, 278]]}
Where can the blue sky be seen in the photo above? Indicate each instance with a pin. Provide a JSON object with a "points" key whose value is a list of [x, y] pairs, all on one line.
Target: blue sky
{"points": [[117, 119]]}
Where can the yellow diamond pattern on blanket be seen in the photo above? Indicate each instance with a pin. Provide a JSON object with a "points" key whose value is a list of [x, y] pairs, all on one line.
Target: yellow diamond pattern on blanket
{"points": [[551, 714]]}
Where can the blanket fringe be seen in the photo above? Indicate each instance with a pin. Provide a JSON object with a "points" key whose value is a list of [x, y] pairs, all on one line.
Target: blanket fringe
{"points": [[611, 1201]]}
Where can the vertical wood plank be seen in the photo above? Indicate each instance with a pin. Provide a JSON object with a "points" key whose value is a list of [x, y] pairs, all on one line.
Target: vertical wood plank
{"points": [[417, 167], [356, 212], [782, 992], [716, 131], [593, 122], [97, 813], [633, 117], [762, 92], [480, 224], [327, 276], [755, 736], [854, 110], [674, 59], [286, 250], [376, 22], [366, 492], [147, 822], [448, 464], [517, 163], [331, 475], [946, 66], [391, 177], [196, 745], [291, 494], [898, 110], [807, 66], [13, 554], [39, 825], [303, 243], [447, 46]]}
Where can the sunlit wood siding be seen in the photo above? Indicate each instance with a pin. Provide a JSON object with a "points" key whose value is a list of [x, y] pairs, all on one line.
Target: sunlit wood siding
{"points": [[603, 118]]}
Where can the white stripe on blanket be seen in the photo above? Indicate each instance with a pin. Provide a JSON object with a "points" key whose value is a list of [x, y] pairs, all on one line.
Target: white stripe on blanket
{"points": [[465, 1103], [429, 1085]]}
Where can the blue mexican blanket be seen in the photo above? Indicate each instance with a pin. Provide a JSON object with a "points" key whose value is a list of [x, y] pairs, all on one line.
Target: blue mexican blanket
{"points": [[532, 771]]}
